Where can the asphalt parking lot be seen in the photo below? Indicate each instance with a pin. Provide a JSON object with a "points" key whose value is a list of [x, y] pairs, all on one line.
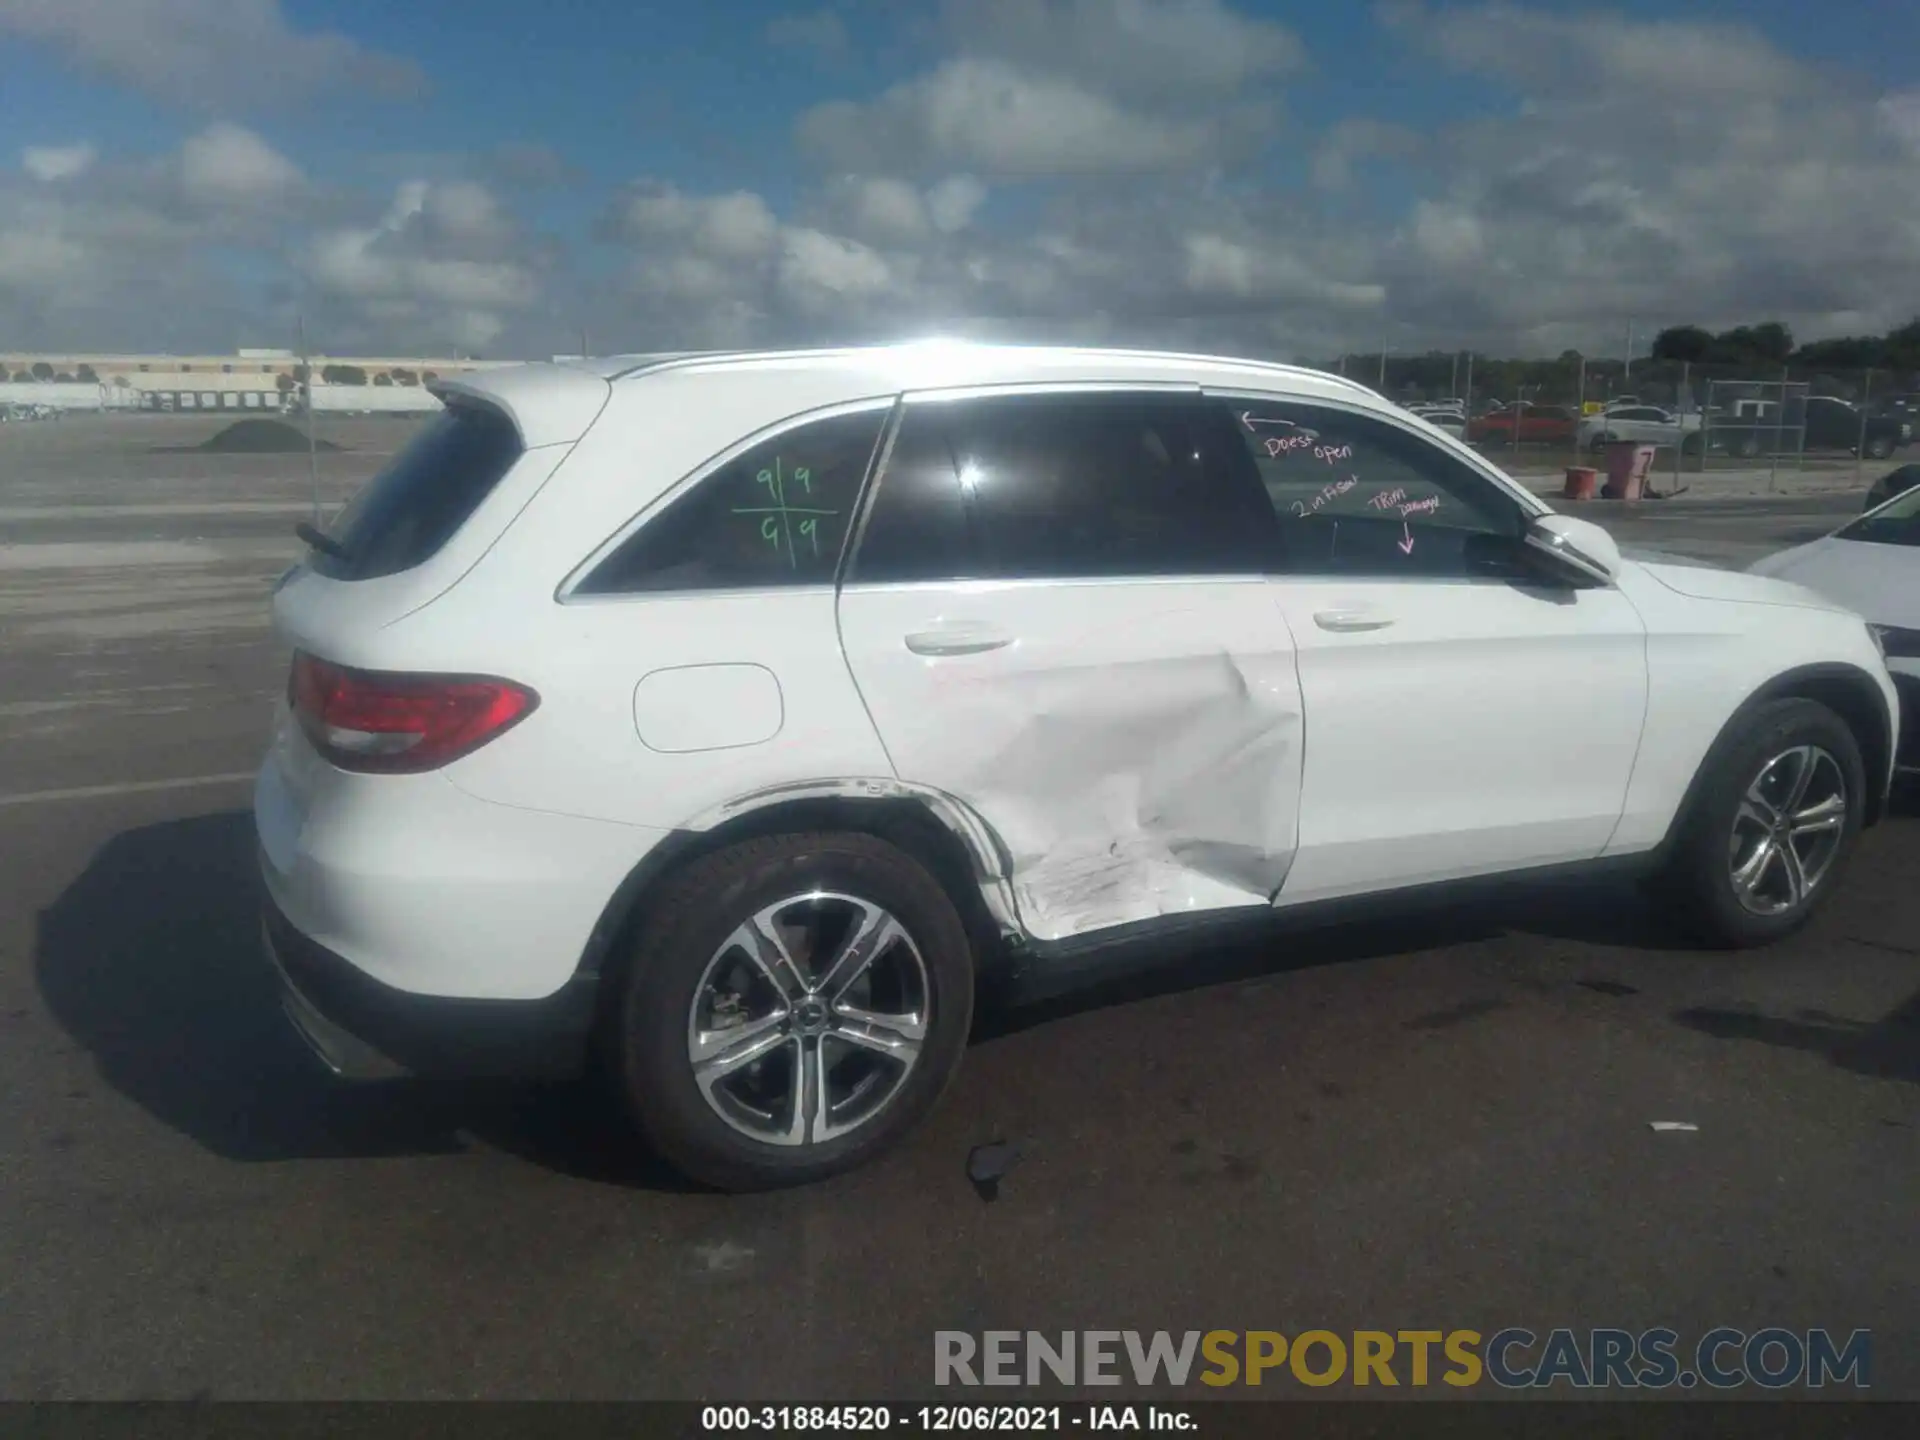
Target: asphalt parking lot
{"points": [[1440, 1122]]}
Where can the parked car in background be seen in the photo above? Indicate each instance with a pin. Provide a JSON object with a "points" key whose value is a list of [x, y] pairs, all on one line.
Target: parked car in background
{"points": [[725, 717], [1538, 424], [1872, 566], [1830, 423], [1894, 482], [1450, 416], [1647, 424]]}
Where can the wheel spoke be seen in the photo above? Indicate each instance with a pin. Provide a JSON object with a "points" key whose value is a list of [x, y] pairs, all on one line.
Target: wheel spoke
{"points": [[760, 938], [808, 1090], [876, 930], [720, 1052], [1756, 806], [1795, 873], [897, 1036], [1802, 777], [1826, 815], [1748, 875]]}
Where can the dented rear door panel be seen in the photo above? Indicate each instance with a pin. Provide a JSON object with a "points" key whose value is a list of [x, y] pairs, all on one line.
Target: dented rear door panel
{"points": [[1134, 744]]}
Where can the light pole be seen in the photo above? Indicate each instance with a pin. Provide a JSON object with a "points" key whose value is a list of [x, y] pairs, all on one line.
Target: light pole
{"points": [[313, 449]]}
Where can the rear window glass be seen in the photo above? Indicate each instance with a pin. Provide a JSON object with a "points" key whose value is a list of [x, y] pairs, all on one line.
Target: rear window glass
{"points": [[405, 514]]}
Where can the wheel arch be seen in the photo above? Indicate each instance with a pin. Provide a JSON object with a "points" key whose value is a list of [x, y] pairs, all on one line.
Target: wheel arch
{"points": [[1848, 691], [938, 830]]}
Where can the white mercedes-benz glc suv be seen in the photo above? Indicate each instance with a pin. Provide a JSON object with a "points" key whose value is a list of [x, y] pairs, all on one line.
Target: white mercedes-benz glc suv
{"points": [[725, 717]]}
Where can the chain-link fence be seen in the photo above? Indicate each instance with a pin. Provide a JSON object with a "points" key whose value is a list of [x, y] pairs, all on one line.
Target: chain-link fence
{"points": [[1542, 415]]}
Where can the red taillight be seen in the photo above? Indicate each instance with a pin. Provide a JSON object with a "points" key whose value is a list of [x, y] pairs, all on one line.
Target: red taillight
{"points": [[400, 724]]}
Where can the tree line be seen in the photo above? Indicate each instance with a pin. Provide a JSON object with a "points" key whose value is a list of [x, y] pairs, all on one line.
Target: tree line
{"points": [[1771, 345], [1757, 352]]}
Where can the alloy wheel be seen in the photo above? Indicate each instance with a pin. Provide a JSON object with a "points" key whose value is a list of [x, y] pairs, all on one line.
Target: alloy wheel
{"points": [[809, 1018], [1788, 830]]}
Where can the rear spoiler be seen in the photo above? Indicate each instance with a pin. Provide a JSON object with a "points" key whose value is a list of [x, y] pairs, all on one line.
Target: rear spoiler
{"points": [[548, 404]]}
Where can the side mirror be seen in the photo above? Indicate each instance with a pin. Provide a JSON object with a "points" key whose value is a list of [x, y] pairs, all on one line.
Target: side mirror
{"points": [[1579, 550]]}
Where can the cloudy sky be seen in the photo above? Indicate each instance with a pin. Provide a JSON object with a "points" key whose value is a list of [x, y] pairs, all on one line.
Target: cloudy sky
{"points": [[1292, 179]]}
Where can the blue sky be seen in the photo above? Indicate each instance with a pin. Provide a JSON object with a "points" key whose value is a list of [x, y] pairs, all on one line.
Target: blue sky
{"points": [[1354, 172]]}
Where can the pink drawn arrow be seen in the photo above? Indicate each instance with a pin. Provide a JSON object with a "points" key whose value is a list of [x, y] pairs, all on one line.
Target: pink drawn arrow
{"points": [[1406, 541]]}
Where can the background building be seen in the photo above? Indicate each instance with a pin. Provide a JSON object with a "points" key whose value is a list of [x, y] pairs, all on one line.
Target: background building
{"points": [[245, 380]]}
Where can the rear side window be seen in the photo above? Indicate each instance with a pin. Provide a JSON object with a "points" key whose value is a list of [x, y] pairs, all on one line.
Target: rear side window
{"points": [[406, 513], [1079, 486], [773, 518]]}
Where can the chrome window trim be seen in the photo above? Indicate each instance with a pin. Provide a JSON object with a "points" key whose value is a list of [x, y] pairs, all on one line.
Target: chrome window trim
{"points": [[1017, 389], [978, 585]]}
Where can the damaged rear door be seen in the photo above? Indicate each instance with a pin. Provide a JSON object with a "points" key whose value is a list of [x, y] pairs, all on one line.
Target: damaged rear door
{"points": [[1057, 611]]}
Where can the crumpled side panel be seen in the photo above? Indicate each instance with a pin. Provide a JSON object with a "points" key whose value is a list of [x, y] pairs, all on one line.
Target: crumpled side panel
{"points": [[1137, 790]]}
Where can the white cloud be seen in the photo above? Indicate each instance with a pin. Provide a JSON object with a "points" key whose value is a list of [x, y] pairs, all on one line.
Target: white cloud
{"points": [[951, 203], [1244, 272], [444, 264], [1042, 89], [1690, 62], [464, 212], [1900, 113], [205, 54], [819, 271], [1673, 170], [35, 255], [736, 226], [1592, 181], [882, 210], [992, 118], [230, 165], [53, 163], [1182, 51]]}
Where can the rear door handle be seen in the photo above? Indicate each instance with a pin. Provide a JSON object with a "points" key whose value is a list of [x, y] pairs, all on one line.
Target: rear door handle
{"points": [[958, 640], [1347, 621]]}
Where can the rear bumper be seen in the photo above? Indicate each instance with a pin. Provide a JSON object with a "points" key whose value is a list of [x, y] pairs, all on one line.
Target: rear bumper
{"points": [[363, 1029]]}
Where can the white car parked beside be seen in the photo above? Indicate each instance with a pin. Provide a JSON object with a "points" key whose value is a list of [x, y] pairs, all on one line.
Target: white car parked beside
{"points": [[1648, 424], [727, 716], [1872, 566]]}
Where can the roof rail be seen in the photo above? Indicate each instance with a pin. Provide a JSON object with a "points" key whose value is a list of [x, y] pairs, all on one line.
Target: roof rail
{"points": [[648, 364]]}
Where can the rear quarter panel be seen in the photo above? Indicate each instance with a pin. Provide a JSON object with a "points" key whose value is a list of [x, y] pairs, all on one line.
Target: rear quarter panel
{"points": [[592, 660]]}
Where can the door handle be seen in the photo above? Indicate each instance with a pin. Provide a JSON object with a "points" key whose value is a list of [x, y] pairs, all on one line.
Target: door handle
{"points": [[957, 640], [1348, 621]]}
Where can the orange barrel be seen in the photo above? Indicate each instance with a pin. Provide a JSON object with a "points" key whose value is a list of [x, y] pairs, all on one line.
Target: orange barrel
{"points": [[1581, 482], [1628, 463]]}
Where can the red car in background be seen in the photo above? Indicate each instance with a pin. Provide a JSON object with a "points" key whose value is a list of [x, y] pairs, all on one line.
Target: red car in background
{"points": [[1539, 425]]}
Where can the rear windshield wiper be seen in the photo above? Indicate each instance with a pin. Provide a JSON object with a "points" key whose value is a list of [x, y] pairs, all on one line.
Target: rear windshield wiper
{"points": [[325, 544]]}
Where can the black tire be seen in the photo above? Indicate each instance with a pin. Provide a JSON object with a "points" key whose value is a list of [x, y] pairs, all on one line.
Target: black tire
{"points": [[1746, 447], [1690, 445], [1879, 447], [690, 922], [1698, 880]]}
